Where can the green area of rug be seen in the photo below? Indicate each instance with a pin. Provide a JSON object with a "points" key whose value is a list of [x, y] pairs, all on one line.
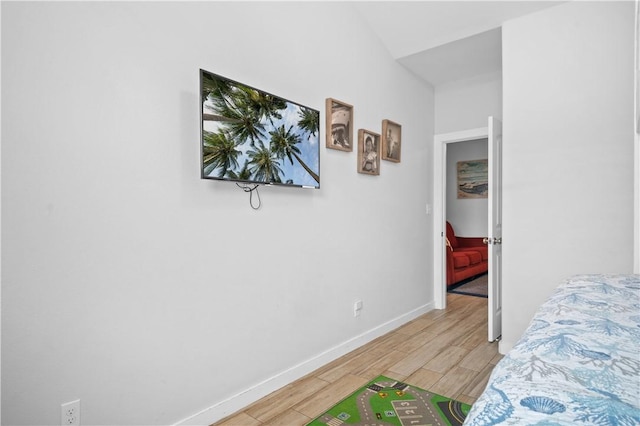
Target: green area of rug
{"points": [[388, 401]]}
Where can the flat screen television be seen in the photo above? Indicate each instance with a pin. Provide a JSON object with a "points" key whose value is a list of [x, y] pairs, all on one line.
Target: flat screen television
{"points": [[253, 137]]}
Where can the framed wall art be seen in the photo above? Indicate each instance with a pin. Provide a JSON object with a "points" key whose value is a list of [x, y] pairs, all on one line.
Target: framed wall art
{"points": [[339, 118], [368, 152], [391, 141], [473, 179]]}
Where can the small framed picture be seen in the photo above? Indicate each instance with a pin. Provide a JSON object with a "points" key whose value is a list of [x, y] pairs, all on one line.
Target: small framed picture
{"points": [[473, 178], [339, 118], [368, 152], [391, 140]]}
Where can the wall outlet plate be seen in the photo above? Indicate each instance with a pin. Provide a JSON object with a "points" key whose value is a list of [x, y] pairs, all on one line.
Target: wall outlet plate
{"points": [[357, 308], [70, 413]]}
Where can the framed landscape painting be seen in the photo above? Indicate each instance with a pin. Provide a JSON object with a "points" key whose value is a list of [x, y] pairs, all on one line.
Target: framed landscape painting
{"points": [[339, 122], [473, 179]]}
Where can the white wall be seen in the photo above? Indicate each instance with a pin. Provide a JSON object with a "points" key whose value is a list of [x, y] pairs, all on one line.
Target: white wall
{"points": [[150, 294], [636, 233], [568, 151], [468, 216], [466, 104], [463, 105]]}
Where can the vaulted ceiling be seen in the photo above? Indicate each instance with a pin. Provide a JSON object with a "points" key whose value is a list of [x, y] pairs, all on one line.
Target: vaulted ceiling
{"points": [[444, 41]]}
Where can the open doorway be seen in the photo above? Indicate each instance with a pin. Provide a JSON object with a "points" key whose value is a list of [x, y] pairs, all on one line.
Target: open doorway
{"points": [[441, 176], [493, 133], [467, 213]]}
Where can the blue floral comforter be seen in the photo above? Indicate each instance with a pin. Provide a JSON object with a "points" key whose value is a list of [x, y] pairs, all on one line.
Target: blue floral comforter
{"points": [[577, 363]]}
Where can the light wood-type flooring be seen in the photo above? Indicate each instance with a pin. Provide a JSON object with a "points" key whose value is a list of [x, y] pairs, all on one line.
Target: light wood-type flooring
{"points": [[443, 351]]}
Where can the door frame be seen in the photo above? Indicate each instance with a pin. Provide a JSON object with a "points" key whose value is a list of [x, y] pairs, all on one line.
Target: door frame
{"points": [[440, 206]]}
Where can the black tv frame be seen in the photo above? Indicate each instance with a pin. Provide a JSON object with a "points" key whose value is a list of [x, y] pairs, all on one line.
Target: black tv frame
{"points": [[285, 154]]}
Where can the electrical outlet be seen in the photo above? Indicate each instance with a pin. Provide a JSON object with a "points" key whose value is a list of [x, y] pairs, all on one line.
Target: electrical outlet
{"points": [[357, 308], [70, 413]]}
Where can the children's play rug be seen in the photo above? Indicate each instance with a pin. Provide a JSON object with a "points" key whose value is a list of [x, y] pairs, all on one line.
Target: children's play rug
{"points": [[386, 401]]}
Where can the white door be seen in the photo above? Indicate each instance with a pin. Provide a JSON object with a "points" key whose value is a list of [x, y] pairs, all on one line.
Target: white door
{"points": [[494, 239]]}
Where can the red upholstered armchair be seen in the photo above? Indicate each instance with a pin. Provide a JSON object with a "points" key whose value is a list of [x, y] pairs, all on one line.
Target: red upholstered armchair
{"points": [[466, 257]]}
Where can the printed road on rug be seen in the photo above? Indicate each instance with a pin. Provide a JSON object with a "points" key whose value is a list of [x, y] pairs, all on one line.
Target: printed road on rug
{"points": [[388, 401]]}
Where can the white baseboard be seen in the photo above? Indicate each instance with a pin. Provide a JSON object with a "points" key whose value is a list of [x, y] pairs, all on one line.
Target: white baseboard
{"points": [[224, 408]]}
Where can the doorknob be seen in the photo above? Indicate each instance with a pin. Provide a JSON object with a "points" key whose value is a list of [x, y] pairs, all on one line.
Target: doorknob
{"points": [[489, 240]]}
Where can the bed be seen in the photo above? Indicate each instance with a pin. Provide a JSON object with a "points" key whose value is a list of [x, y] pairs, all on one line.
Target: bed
{"points": [[578, 362]]}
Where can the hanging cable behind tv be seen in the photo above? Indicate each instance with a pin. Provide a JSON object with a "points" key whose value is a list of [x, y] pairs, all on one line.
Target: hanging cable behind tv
{"points": [[250, 189]]}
